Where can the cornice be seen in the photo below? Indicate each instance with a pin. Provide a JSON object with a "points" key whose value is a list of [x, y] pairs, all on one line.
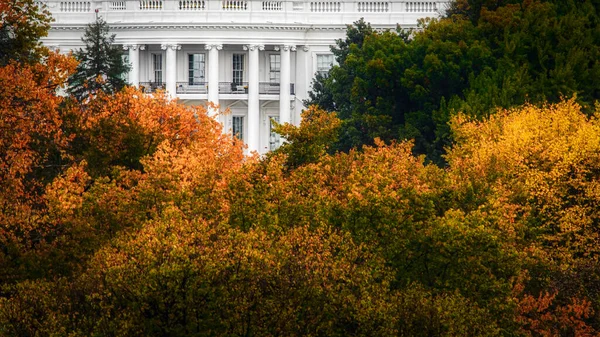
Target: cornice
{"points": [[148, 26]]}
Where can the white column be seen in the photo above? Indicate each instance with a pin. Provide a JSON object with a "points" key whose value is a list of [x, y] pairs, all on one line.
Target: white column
{"points": [[253, 139], [134, 61], [284, 84], [213, 77], [302, 83], [171, 69]]}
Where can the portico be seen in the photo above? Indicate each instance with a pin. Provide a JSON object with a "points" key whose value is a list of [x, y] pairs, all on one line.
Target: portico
{"points": [[255, 60]]}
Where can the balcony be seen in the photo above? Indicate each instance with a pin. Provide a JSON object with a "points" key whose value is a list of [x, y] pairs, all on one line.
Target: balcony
{"points": [[192, 87], [268, 88], [233, 88], [298, 13], [150, 87]]}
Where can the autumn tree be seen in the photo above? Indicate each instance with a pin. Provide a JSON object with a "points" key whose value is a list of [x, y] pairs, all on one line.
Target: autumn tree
{"points": [[22, 24], [538, 166], [310, 141], [101, 66], [487, 54], [32, 152]]}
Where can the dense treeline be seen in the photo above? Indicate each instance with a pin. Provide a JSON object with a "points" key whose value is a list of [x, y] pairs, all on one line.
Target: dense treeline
{"points": [[483, 55], [129, 215]]}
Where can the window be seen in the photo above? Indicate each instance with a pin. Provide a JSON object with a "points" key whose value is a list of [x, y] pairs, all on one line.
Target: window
{"points": [[324, 63], [273, 136], [157, 67], [238, 68], [274, 68], [125, 76], [196, 69], [238, 127]]}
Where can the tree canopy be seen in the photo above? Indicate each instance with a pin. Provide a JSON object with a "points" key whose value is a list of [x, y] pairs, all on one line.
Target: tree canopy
{"points": [[133, 215], [22, 24], [483, 55], [101, 67]]}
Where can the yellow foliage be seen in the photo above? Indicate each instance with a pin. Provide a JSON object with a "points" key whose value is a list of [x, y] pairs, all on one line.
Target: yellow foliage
{"points": [[542, 164]]}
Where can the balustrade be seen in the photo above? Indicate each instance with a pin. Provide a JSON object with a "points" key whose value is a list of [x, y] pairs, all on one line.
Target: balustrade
{"points": [[270, 88], [192, 5], [373, 6], [235, 5], [117, 6], [421, 6], [151, 5], [233, 88], [278, 7], [325, 6], [75, 6], [272, 6], [192, 87], [150, 87]]}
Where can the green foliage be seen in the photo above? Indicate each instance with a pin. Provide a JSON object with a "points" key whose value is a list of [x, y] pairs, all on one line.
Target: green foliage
{"points": [[483, 55], [22, 24], [311, 140], [101, 67], [157, 224]]}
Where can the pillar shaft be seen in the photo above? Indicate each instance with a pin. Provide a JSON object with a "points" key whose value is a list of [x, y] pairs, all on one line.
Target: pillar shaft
{"points": [[213, 77], [284, 87], [171, 69], [253, 139], [134, 61]]}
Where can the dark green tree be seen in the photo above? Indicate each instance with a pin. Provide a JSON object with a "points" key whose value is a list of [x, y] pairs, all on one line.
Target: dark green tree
{"points": [[484, 55], [101, 66]]}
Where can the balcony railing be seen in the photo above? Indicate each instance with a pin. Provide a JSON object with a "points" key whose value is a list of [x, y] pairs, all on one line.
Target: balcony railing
{"points": [[233, 87], [150, 87], [258, 12], [268, 88], [192, 87]]}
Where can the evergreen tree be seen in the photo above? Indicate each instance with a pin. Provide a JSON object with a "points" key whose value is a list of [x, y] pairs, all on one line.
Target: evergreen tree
{"points": [[486, 54], [101, 67]]}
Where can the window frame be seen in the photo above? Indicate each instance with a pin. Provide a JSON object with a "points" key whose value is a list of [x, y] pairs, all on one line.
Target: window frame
{"points": [[237, 75], [324, 70], [155, 71], [191, 69], [276, 72], [240, 127]]}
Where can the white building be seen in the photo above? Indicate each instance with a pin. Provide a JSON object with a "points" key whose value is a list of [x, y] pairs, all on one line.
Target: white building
{"points": [[256, 58]]}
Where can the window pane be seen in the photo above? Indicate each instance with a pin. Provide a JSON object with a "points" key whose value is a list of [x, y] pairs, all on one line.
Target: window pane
{"points": [[273, 136], [238, 68], [157, 64], [238, 127], [275, 67], [324, 63], [196, 65], [125, 76]]}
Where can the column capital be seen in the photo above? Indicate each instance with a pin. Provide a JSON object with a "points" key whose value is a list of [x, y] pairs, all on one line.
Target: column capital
{"points": [[134, 46], [305, 48], [286, 47], [217, 46], [172, 46], [253, 47]]}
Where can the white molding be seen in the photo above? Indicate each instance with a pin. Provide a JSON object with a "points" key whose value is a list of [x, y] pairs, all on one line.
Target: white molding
{"points": [[218, 46], [252, 47], [172, 46]]}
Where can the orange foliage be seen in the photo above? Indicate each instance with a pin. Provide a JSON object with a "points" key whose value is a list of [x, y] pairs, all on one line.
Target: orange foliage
{"points": [[540, 164], [542, 316], [30, 134]]}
